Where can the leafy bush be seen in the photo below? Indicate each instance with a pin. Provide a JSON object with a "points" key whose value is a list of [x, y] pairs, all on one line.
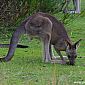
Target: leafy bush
{"points": [[13, 11]]}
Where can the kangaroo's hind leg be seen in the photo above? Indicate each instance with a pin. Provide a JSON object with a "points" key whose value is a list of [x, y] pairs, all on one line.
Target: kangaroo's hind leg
{"points": [[46, 45]]}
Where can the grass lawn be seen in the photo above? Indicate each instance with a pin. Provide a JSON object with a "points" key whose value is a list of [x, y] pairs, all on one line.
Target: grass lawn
{"points": [[27, 68]]}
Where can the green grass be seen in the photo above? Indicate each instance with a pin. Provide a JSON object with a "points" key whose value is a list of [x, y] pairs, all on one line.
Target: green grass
{"points": [[27, 68]]}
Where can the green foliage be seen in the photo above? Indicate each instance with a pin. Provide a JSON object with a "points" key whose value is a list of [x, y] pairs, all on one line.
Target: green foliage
{"points": [[12, 12]]}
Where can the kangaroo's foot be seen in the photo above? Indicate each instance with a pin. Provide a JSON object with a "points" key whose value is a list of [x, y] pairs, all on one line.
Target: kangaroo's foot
{"points": [[47, 59]]}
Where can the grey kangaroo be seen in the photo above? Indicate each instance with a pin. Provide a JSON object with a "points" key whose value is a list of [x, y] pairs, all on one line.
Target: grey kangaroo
{"points": [[51, 32]]}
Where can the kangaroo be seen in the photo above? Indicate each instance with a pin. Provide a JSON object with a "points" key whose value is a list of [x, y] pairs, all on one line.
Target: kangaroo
{"points": [[51, 31]]}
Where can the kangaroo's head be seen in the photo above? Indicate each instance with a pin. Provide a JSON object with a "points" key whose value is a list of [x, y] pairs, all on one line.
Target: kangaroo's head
{"points": [[71, 51]]}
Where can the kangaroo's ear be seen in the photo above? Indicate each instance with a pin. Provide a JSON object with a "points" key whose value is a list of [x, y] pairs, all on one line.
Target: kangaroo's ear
{"points": [[68, 43], [77, 43]]}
